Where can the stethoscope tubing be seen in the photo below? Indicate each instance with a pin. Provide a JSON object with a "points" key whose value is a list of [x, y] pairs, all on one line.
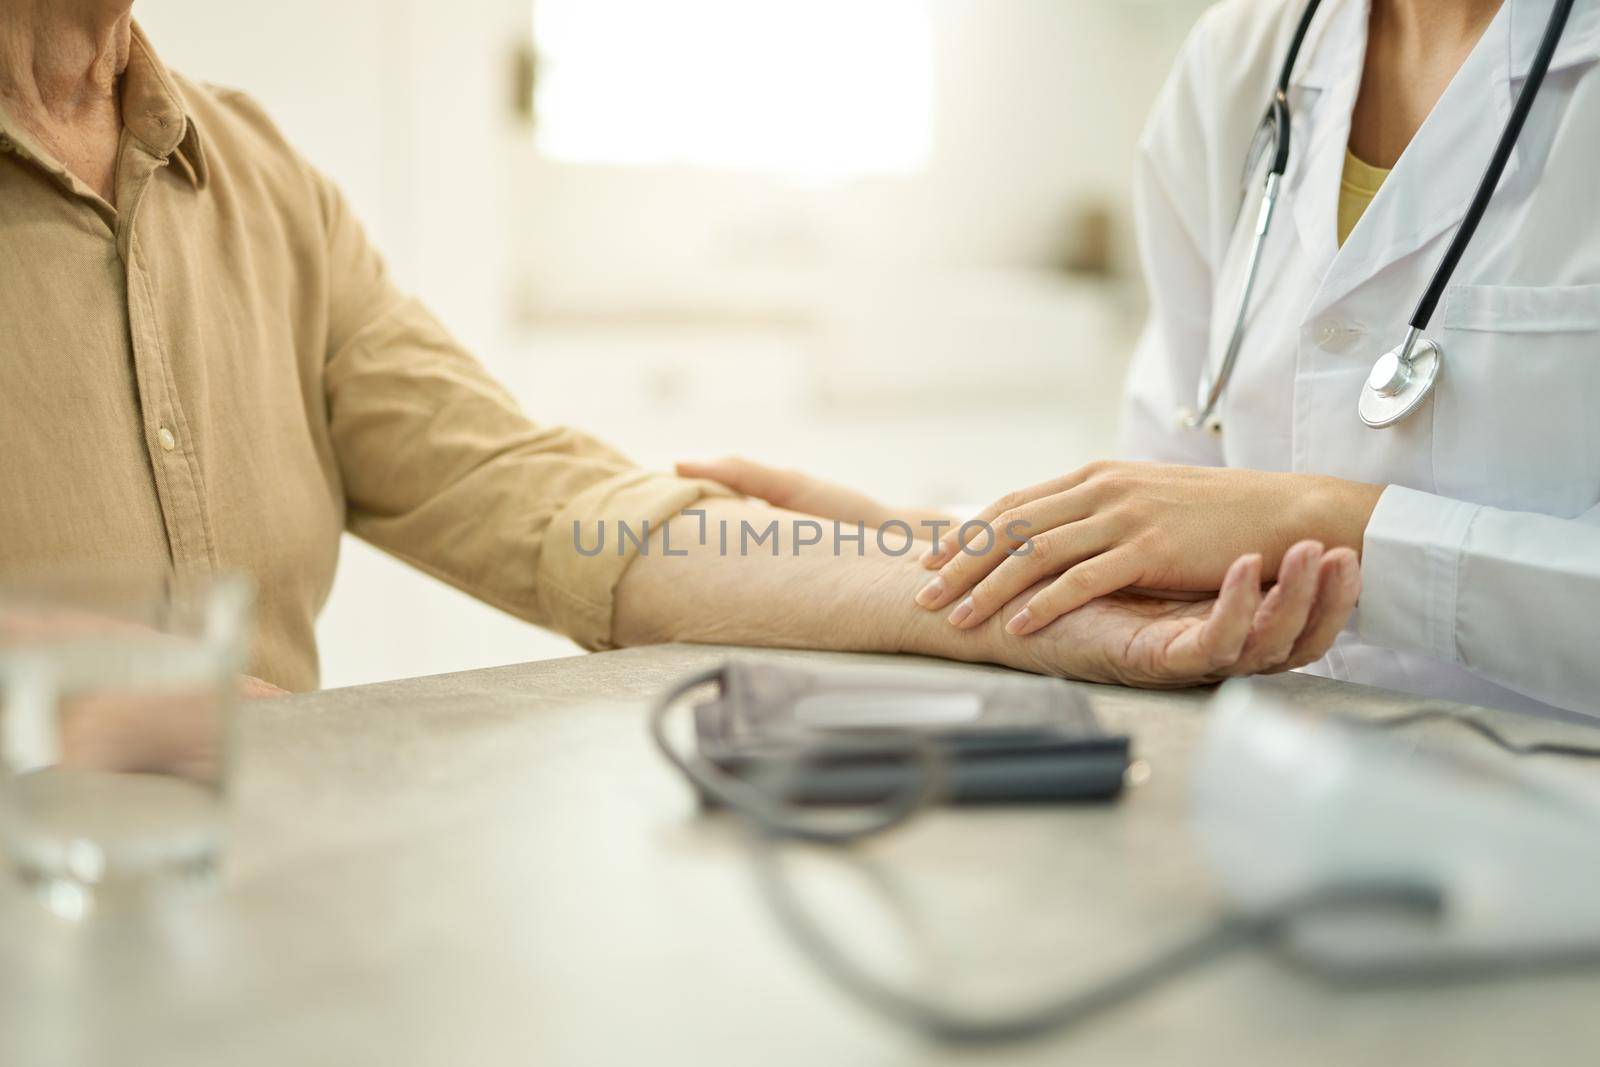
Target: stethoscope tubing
{"points": [[1497, 164], [1277, 122]]}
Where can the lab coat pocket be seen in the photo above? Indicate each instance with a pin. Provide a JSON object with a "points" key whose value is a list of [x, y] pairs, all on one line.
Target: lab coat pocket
{"points": [[1523, 308], [1517, 417]]}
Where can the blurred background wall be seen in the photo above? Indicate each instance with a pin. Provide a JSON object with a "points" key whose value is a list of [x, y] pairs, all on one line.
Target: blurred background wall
{"points": [[888, 241]]}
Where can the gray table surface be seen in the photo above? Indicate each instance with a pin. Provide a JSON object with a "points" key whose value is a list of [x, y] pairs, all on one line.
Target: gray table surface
{"points": [[496, 868]]}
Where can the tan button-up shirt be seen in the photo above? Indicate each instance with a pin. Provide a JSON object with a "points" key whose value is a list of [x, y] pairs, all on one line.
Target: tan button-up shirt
{"points": [[215, 372]]}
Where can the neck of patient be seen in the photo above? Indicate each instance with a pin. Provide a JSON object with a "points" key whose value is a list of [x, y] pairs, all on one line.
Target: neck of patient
{"points": [[60, 59], [60, 64]]}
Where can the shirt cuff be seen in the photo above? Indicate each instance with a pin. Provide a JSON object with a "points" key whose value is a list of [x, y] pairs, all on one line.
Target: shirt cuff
{"points": [[1411, 560], [577, 580]]}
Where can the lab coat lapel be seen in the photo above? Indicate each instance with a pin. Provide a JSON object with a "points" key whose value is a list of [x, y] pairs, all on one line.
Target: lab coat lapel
{"points": [[1428, 191], [1319, 165], [1579, 44], [1323, 93]]}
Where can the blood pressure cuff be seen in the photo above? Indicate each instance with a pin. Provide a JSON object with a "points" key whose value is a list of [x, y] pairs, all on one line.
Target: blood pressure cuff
{"points": [[850, 735]]}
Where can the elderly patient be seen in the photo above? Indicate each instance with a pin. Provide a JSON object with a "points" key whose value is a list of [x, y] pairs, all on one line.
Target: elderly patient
{"points": [[205, 366]]}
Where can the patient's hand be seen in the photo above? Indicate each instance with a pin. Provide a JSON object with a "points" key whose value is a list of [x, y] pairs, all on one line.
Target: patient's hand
{"points": [[1157, 643], [21, 626], [797, 491]]}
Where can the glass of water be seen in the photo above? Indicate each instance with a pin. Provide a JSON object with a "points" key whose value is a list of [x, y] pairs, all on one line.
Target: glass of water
{"points": [[116, 694]]}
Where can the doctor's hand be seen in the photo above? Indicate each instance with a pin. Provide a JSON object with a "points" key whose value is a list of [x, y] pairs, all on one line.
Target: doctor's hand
{"points": [[1115, 526], [797, 491], [1150, 642]]}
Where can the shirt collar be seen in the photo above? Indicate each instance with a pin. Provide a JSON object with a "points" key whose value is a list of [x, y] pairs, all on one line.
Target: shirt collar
{"points": [[155, 112], [1339, 29]]}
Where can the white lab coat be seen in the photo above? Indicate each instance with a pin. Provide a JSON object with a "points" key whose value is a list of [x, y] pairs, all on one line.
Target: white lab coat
{"points": [[1481, 566]]}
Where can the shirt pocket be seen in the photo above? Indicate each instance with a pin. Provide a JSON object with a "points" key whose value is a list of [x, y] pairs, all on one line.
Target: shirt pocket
{"points": [[1517, 416]]}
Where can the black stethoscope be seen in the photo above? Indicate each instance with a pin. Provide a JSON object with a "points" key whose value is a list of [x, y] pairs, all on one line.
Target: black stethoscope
{"points": [[1404, 376]]}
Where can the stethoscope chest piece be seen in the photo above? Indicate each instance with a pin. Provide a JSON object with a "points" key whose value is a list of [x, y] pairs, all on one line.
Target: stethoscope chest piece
{"points": [[1400, 381]]}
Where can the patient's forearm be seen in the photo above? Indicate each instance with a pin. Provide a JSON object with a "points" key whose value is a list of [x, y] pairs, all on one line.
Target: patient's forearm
{"points": [[802, 586], [828, 595]]}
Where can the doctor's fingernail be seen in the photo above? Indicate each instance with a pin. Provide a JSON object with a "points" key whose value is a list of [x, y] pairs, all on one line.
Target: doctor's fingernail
{"points": [[962, 613], [930, 593], [1019, 622], [929, 554]]}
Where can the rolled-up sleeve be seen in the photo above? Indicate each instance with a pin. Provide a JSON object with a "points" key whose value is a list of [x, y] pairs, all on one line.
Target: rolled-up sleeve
{"points": [[1510, 595], [441, 469], [581, 565]]}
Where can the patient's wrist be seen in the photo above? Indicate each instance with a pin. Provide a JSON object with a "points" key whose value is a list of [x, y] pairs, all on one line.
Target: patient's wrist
{"points": [[927, 633]]}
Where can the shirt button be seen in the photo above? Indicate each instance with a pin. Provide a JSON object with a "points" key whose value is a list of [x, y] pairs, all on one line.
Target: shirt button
{"points": [[168, 441]]}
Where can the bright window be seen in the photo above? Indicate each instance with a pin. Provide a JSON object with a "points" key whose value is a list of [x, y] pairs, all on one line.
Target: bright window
{"points": [[822, 89]]}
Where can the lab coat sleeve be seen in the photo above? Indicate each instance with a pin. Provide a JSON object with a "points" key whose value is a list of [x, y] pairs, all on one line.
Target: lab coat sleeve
{"points": [[1512, 596], [1172, 210]]}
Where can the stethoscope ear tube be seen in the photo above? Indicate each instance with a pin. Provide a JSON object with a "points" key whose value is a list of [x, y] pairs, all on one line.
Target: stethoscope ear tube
{"points": [[1279, 117], [1276, 125], [1210, 393]]}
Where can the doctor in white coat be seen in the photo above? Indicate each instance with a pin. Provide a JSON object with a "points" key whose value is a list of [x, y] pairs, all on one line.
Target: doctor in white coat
{"points": [[1477, 516]]}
